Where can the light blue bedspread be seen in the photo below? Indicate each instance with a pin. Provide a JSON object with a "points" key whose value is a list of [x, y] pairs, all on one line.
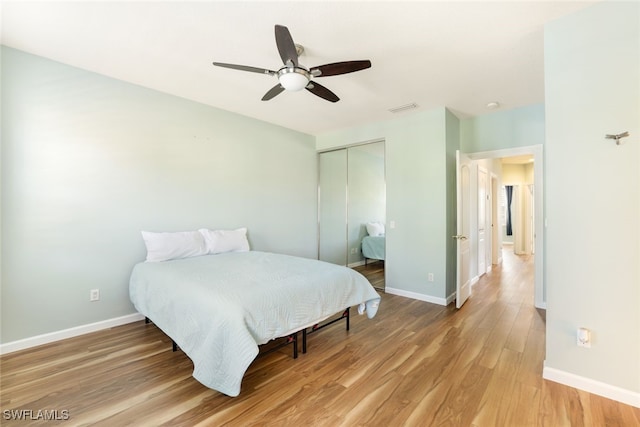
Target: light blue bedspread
{"points": [[219, 308], [373, 247]]}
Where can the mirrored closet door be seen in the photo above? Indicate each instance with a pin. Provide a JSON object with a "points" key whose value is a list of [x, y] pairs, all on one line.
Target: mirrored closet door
{"points": [[332, 202], [352, 205]]}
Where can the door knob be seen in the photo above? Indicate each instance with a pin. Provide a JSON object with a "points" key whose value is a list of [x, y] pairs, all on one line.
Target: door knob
{"points": [[460, 237]]}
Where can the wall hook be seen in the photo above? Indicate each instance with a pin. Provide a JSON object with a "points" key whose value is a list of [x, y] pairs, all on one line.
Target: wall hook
{"points": [[617, 137]]}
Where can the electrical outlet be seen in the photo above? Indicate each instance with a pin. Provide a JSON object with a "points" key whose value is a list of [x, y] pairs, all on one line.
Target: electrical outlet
{"points": [[430, 277], [94, 295], [583, 337]]}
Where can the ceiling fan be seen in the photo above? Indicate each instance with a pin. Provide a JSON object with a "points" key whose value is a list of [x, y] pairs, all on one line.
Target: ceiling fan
{"points": [[294, 76]]}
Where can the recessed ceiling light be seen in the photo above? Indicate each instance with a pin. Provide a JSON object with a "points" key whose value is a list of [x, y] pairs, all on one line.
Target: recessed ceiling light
{"points": [[493, 105]]}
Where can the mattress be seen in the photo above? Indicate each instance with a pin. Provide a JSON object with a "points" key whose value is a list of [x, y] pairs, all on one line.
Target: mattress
{"points": [[219, 308]]}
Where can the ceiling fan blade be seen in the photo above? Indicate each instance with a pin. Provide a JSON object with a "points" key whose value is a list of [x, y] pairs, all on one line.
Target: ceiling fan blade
{"points": [[322, 92], [286, 47], [339, 68], [277, 89], [245, 68]]}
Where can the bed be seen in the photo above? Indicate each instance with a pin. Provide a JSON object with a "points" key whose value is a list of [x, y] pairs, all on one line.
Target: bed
{"points": [[219, 308], [373, 247]]}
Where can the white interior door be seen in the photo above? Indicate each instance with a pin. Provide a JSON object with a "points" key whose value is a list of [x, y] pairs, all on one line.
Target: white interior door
{"points": [[482, 221], [463, 178]]}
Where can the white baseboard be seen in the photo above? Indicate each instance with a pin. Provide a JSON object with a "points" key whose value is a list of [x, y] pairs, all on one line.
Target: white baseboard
{"points": [[427, 298], [37, 340], [473, 281], [451, 298], [415, 295], [540, 304], [618, 394]]}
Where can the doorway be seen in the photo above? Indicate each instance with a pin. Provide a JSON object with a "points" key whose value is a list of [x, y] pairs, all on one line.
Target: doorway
{"points": [[530, 199], [519, 204]]}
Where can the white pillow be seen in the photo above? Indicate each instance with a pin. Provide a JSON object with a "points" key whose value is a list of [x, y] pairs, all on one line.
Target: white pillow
{"points": [[220, 241], [375, 229], [166, 246]]}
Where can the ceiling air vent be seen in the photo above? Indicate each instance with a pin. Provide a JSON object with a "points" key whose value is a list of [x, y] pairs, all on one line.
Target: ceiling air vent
{"points": [[402, 108]]}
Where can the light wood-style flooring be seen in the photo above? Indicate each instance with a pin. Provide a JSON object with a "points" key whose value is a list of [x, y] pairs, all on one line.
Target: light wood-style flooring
{"points": [[374, 271], [414, 364]]}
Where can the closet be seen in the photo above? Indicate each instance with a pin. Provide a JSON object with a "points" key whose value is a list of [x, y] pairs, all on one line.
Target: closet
{"points": [[351, 193]]}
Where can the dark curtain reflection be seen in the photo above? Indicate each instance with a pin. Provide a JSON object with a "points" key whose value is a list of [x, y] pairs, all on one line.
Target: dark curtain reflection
{"points": [[509, 191]]}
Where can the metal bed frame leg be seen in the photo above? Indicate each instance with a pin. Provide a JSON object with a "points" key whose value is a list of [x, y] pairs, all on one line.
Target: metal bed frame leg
{"points": [[295, 345], [345, 315], [291, 339], [304, 341]]}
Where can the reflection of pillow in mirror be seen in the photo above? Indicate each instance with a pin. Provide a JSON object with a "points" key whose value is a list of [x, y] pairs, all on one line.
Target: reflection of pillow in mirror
{"points": [[166, 246], [375, 229], [220, 241]]}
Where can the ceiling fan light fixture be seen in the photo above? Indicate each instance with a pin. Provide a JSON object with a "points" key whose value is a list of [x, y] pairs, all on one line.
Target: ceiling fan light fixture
{"points": [[293, 78]]}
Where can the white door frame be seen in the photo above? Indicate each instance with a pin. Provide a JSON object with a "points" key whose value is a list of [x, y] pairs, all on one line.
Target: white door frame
{"points": [[496, 236], [540, 300], [484, 234], [463, 228]]}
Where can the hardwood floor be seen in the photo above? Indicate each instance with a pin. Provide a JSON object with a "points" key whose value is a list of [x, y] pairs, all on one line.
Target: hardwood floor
{"points": [[414, 364], [374, 271]]}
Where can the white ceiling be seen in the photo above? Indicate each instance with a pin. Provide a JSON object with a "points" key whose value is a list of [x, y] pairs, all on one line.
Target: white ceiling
{"points": [[461, 55]]}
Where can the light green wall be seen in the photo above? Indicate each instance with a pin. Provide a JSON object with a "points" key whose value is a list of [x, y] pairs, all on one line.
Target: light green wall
{"points": [[88, 162], [518, 127], [416, 177], [592, 88]]}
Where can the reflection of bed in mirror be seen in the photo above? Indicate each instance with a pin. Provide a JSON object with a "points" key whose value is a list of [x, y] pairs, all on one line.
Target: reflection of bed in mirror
{"points": [[373, 248], [373, 245]]}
